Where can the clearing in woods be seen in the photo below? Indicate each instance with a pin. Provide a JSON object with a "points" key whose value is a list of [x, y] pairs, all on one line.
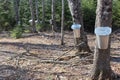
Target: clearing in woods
{"points": [[34, 57]]}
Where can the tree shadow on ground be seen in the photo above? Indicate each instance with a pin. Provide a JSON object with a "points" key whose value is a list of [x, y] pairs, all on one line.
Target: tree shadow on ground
{"points": [[28, 47], [32, 46], [115, 56], [8, 72], [115, 59], [116, 48], [7, 52], [40, 34]]}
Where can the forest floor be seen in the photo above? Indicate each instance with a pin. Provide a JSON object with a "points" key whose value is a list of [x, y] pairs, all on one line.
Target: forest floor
{"points": [[34, 57]]}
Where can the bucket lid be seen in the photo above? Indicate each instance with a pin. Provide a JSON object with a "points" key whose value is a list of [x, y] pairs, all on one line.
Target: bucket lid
{"points": [[103, 31], [36, 21], [76, 26], [30, 20]]}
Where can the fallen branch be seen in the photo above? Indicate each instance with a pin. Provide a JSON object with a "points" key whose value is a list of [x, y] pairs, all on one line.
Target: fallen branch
{"points": [[64, 54]]}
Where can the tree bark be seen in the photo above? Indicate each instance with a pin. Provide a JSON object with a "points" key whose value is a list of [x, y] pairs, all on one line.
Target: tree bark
{"points": [[53, 16], [101, 64], [37, 13], [62, 24], [43, 12], [32, 16], [76, 12], [16, 9]]}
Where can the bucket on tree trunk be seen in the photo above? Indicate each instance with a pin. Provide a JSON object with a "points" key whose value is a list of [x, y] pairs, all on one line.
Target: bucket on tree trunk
{"points": [[76, 30], [30, 21], [102, 36]]}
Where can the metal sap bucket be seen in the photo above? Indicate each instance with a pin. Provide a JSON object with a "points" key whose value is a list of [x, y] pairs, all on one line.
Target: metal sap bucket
{"points": [[102, 42], [102, 36], [76, 30]]}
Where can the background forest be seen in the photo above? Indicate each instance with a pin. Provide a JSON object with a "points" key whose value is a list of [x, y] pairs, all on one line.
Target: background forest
{"points": [[8, 23]]}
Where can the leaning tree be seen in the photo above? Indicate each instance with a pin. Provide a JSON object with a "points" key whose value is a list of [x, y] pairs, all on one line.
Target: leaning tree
{"points": [[76, 12]]}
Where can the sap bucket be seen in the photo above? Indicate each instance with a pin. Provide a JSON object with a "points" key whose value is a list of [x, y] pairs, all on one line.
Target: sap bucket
{"points": [[102, 36], [76, 30]]}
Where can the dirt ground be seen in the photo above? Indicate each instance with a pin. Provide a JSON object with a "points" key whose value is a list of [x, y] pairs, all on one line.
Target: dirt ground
{"points": [[33, 57]]}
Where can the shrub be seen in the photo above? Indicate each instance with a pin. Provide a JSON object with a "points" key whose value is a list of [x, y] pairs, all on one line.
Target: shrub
{"points": [[116, 14], [89, 8], [16, 32], [7, 20]]}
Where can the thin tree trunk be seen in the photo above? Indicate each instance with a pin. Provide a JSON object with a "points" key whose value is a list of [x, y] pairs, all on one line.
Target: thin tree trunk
{"points": [[76, 12], [101, 68], [32, 16], [16, 9], [37, 13], [62, 24], [43, 12], [53, 15]]}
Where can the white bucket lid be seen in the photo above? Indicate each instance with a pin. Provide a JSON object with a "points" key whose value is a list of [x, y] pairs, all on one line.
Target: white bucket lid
{"points": [[36, 21], [76, 26], [30, 20], [103, 31]]}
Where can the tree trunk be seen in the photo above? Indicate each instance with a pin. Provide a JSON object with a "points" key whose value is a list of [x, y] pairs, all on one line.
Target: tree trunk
{"points": [[53, 16], [76, 12], [62, 24], [43, 12], [101, 64], [16, 9], [37, 13], [32, 16]]}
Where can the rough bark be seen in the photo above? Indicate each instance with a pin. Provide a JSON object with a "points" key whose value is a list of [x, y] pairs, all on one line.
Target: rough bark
{"points": [[16, 9], [32, 16], [76, 12], [62, 24], [101, 64]]}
